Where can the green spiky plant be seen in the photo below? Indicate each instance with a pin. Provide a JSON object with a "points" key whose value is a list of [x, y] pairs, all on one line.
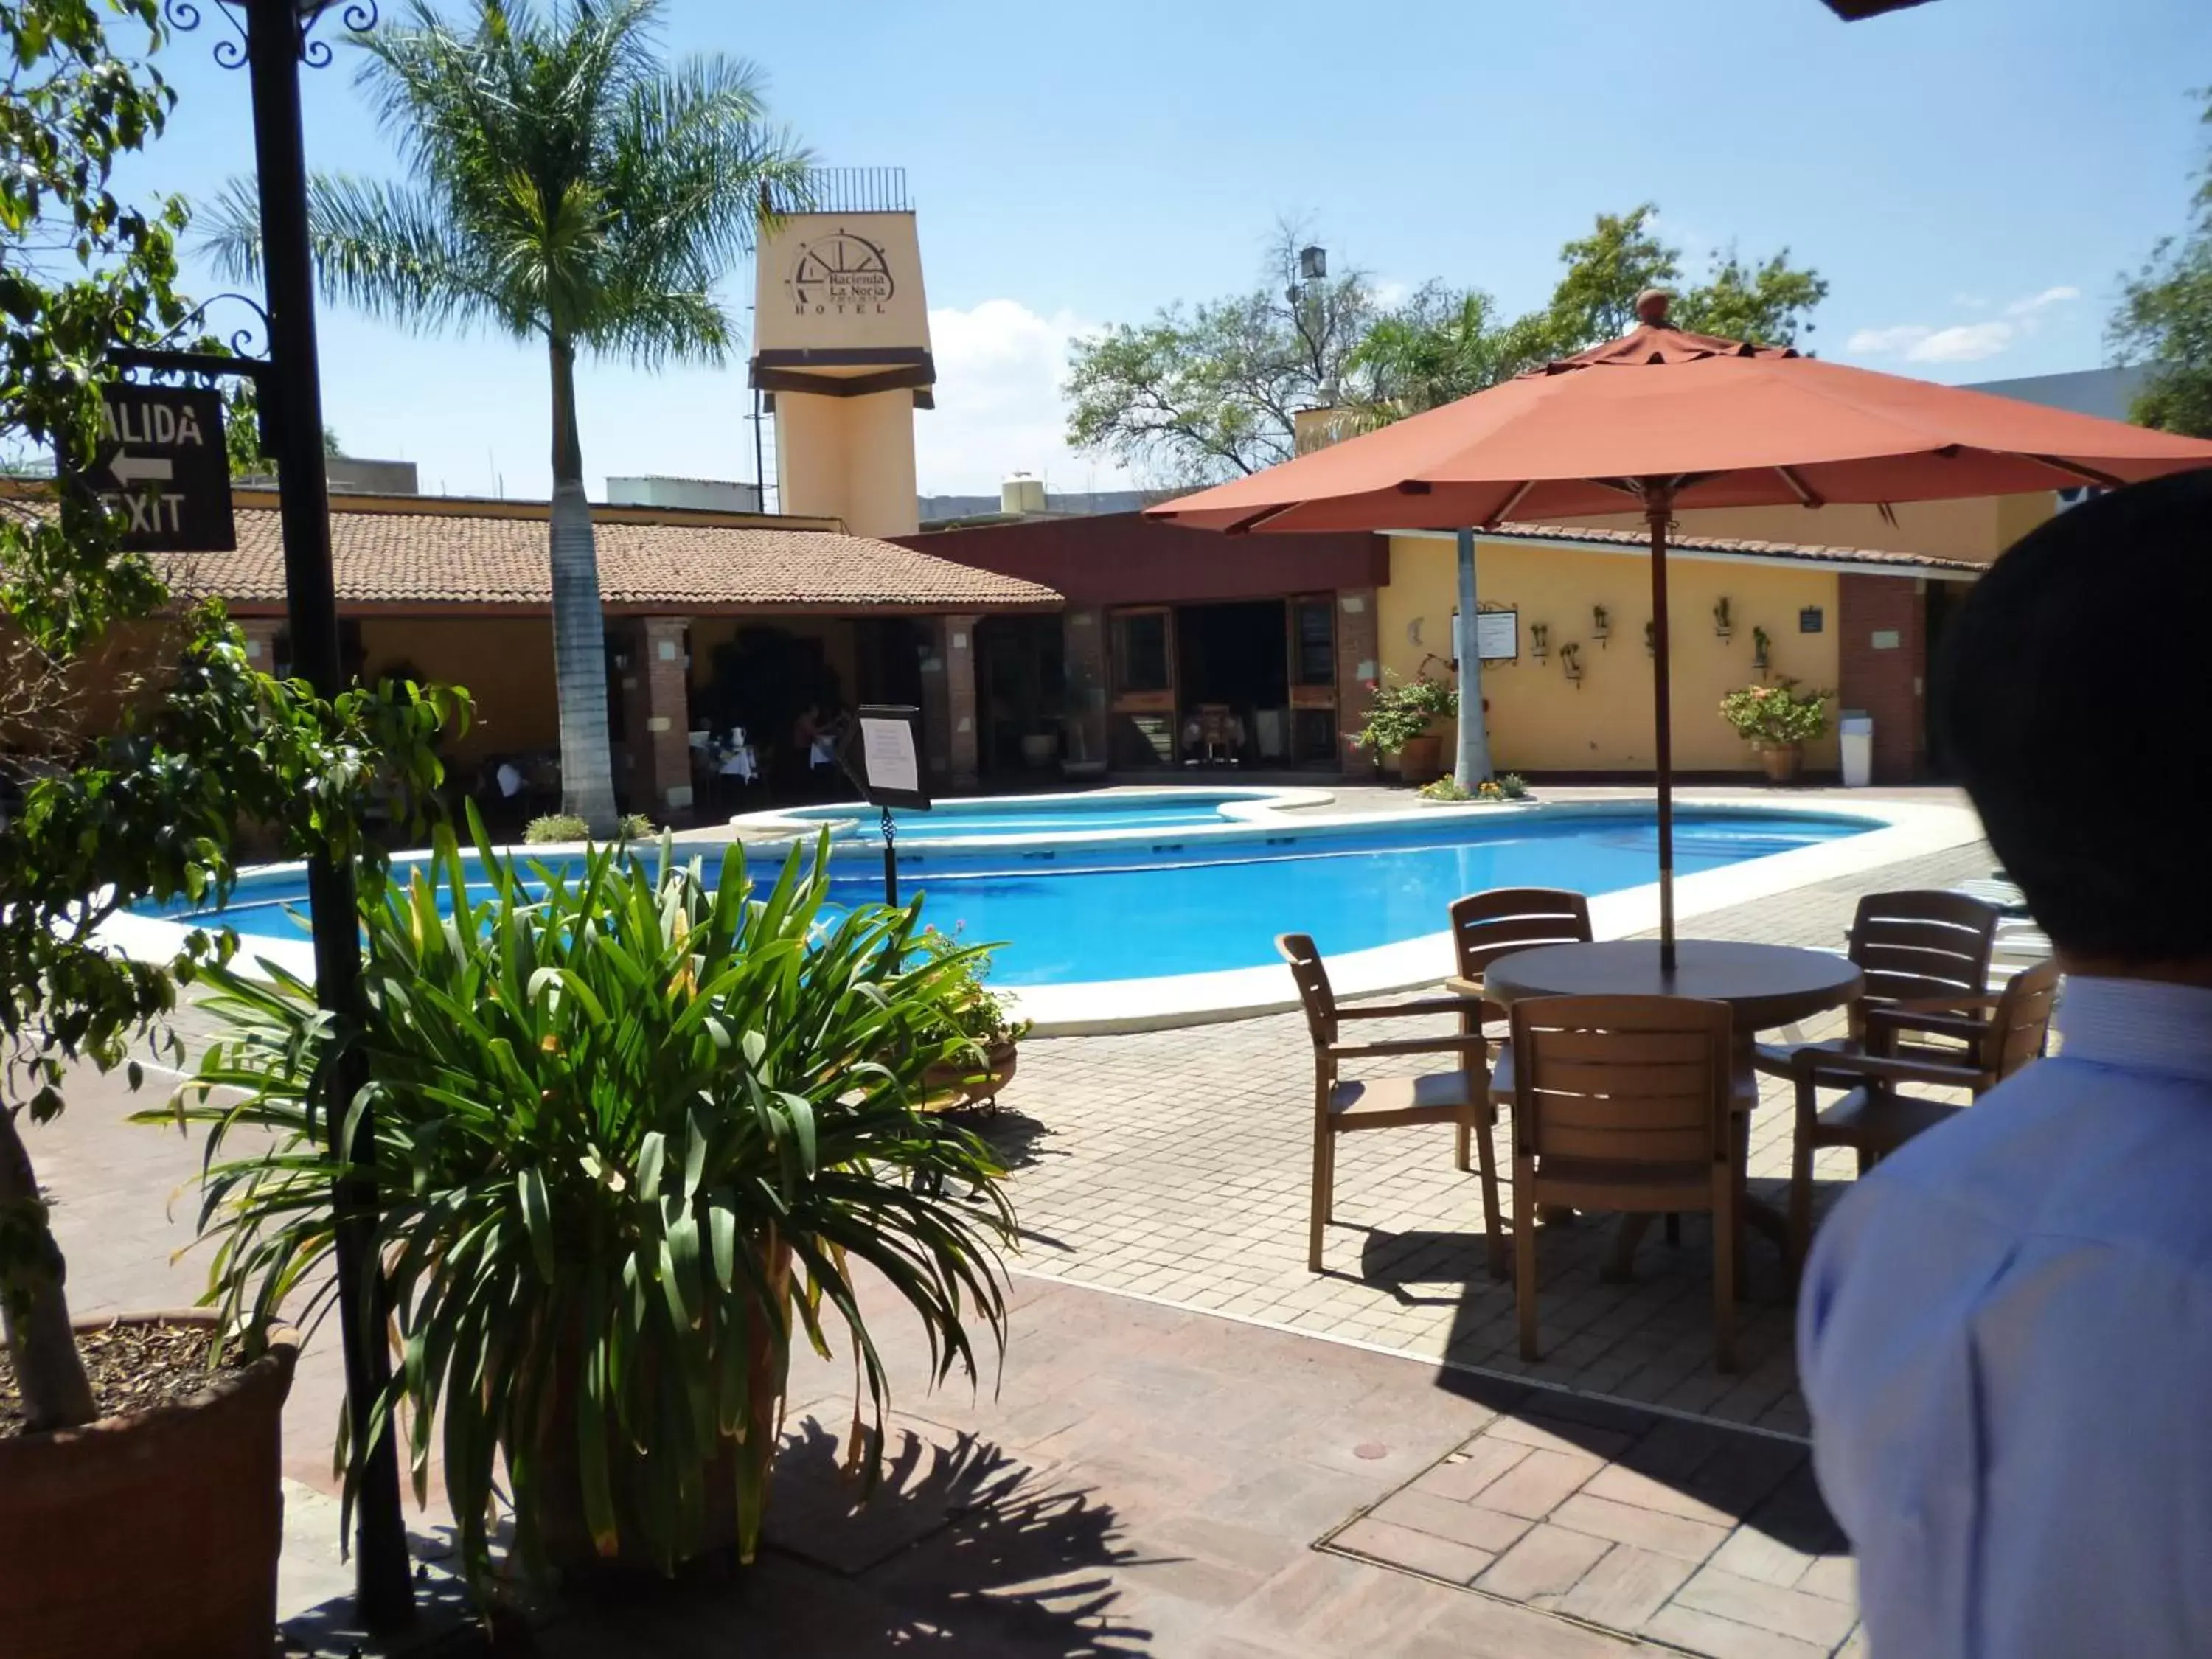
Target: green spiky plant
{"points": [[565, 185], [633, 1134]]}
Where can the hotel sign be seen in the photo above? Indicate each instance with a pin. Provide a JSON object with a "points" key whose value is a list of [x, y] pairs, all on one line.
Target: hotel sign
{"points": [[162, 465], [842, 273], [839, 308]]}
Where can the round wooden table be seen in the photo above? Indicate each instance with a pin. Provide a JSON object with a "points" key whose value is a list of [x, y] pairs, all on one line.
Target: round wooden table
{"points": [[1765, 984]]}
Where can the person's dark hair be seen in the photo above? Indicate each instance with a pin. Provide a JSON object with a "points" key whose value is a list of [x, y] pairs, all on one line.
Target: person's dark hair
{"points": [[2074, 702]]}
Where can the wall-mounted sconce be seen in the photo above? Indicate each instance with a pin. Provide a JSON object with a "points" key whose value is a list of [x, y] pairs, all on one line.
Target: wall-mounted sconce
{"points": [[1539, 641], [1723, 623], [1570, 665], [1760, 644], [1600, 625]]}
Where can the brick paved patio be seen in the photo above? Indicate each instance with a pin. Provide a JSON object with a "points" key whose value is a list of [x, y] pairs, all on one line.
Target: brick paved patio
{"points": [[1155, 1477]]}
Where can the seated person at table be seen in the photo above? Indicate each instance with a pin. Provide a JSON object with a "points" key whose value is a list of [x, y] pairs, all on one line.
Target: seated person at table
{"points": [[2005, 1329]]}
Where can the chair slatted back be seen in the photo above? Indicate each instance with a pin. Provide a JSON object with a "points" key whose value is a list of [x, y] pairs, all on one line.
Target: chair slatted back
{"points": [[1312, 979], [1922, 944], [2020, 1027], [1490, 925], [1629, 1080]]}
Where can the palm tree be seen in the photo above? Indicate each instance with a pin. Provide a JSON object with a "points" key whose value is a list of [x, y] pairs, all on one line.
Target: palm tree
{"points": [[564, 184]]}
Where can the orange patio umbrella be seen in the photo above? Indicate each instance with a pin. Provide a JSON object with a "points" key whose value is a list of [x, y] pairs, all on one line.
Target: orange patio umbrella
{"points": [[1661, 419]]}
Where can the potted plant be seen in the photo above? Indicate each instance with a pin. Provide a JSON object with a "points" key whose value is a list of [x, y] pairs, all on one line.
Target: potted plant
{"points": [[144, 1450], [978, 1022], [668, 1121], [1778, 721], [1399, 719]]}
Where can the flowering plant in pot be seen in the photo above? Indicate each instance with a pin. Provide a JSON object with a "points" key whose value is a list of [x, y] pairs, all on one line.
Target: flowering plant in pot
{"points": [[1399, 719], [634, 1134], [978, 1019], [1778, 721]]}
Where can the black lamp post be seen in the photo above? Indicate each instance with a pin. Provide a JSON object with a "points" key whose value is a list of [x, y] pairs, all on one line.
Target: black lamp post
{"points": [[275, 38]]}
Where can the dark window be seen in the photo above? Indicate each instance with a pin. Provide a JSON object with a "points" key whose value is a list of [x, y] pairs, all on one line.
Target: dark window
{"points": [[1313, 622], [1140, 651]]}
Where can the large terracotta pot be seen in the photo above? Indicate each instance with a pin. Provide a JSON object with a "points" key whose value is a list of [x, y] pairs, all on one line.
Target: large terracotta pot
{"points": [[951, 1085], [1422, 758], [562, 1531], [1783, 761], [154, 1535]]}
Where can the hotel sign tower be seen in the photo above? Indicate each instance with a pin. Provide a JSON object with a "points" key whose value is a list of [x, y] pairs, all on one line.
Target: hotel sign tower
{"points": [[841, 347]]}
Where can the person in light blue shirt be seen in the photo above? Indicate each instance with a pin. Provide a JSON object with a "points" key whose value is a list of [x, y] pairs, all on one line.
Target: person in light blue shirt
{"points": [[2005, 1330]]}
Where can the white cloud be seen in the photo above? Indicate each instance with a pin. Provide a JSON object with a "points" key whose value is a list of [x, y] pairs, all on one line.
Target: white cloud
{"points": [[2037, 302], [998, 408], [1962, 342], [1872, 342]]}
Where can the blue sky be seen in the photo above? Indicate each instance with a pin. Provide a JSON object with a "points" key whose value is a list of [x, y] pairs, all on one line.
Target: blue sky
{"points": [[1971, 176]]}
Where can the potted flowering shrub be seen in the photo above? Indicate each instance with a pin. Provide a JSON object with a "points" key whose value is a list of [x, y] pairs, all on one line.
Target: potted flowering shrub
{"points": [[973, 1016], [1777, 719], [1398, 722], [668, 1121]]}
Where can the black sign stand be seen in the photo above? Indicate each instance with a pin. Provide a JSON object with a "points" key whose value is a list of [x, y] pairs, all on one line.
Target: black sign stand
{"points": [[891, 773]]}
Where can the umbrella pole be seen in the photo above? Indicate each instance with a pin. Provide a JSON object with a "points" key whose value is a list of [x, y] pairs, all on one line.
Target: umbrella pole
{"points": [[1658, 509]]}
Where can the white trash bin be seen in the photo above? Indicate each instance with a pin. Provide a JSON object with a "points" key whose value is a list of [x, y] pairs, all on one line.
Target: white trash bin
{"points": [[1857, 730]]}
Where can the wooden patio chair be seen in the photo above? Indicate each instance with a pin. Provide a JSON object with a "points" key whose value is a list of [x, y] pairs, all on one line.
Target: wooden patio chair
{"points": [[1623, 1103], [1917, 947], [1490, 925], [1874, 1119], [1345, 1105]]}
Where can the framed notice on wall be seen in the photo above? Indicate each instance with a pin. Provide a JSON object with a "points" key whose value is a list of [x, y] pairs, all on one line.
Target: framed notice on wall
{"points": [[1496, 634]]}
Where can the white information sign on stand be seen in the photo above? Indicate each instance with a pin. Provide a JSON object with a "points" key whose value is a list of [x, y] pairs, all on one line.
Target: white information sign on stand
{"points": [[891, 756]]}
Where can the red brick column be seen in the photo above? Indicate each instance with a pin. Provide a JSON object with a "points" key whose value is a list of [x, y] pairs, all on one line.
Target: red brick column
{"points": [[1882, 652], [961, 738], [1358, 651], [660, 754]]}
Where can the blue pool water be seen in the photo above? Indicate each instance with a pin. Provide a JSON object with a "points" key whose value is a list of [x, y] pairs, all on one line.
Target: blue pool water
{"points": [[1182, 809], [1165, 906]]}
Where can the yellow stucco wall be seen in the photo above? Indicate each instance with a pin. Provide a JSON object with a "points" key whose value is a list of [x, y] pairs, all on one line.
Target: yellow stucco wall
{"points": [[849, 459], [1539, 722], [505, 662], [1978, 528]]}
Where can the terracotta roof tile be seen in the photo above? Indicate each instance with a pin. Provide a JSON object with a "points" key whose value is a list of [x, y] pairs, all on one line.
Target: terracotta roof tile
{"points": [[447, 558], [1811, 552]]}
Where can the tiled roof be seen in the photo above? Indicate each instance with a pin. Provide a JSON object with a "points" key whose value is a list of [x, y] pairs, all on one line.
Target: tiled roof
{"points": [[1811, 552], [500, 559]]}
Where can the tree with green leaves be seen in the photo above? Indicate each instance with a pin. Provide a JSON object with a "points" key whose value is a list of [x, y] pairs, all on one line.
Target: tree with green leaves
{"points": [[2165, 320], [1214, 391], [565, 186], [1211, 393], [152, 811]]}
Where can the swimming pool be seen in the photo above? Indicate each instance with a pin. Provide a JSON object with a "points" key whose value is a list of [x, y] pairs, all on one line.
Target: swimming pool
{"points": [[1204, 901]]}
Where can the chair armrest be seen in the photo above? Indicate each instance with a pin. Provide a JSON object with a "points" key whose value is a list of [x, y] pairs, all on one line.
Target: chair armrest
{"points": [[1425, 1005], [1809, 1064], [1965, 1000], [1908, 1019], [1458, 1043]]}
